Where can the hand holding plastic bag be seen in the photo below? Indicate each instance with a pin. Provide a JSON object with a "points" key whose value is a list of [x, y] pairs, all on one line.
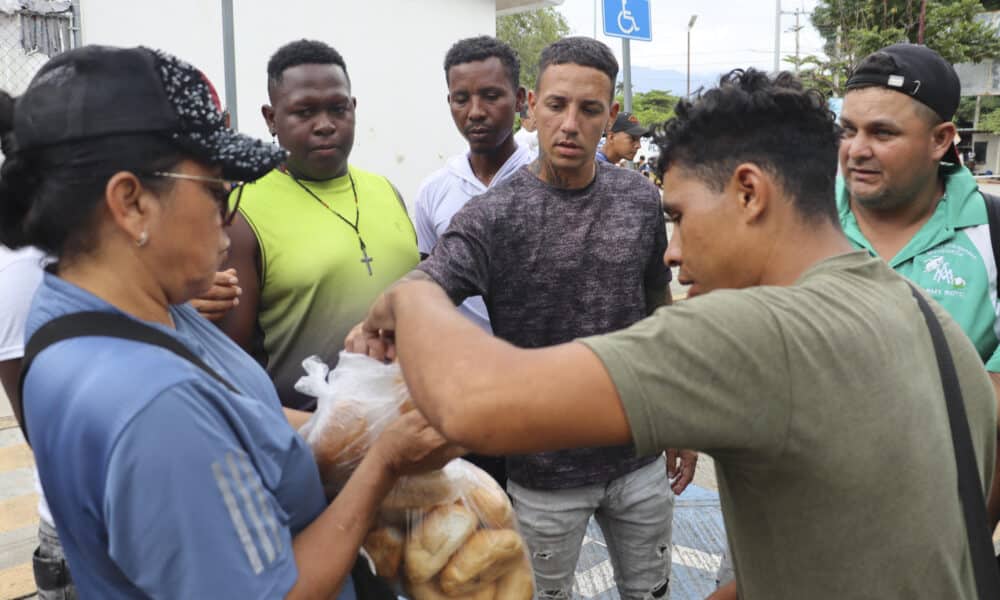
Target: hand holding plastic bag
{"points": [[355, 403], [448, 533]]}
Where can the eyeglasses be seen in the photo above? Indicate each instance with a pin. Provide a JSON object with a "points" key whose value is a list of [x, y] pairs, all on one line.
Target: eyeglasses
{"points": [[222, 192]]}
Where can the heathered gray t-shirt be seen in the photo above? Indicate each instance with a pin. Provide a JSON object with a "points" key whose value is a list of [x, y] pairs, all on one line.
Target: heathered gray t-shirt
{"points": [[554, 265]]}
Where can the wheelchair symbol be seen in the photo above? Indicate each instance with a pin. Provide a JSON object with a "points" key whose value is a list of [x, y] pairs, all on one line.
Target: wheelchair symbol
{"points": [[625, 17]]}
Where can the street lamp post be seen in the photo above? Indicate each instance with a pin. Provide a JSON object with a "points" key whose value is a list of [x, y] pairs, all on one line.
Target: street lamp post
{"points": [[690, 25]]}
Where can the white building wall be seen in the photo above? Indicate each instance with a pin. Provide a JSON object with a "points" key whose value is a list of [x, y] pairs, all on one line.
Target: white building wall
{"points": [[992, 159], [394, 51]]}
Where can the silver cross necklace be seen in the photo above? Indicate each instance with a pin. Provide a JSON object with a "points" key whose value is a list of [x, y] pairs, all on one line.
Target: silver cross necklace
{"points": [[367, 260]]}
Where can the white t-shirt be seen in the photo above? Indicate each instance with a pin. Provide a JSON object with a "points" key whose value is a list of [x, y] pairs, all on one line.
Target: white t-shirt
{"points": [[20, 276], [446, 191], [528, 139]]}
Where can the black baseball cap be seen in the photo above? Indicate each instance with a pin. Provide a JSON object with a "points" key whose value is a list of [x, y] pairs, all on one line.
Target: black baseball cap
{"points": [[96, 91], [920, 73], [627, 122]]}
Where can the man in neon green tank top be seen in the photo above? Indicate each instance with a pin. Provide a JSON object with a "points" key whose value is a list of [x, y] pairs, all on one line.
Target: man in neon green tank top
{"points": [[316, 240]]}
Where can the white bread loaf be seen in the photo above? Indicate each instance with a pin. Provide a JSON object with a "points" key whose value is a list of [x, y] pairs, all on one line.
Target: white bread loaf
{"points": [[488, 555], [343, 440], [385, 546], [517, 584], [490, 503], [432, 591], [436, 539], [423, 491]]}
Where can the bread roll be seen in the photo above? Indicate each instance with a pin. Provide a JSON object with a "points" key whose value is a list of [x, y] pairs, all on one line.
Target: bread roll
{"points": [[518, 583], [422, 491], [341, 439], [339, 446], [488, 555], [385, 546], [399, 517], [490, 503], [434, 541], [432, 591]]}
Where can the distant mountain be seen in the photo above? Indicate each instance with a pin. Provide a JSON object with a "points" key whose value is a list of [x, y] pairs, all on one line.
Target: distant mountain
{"points": [[645, 79]]}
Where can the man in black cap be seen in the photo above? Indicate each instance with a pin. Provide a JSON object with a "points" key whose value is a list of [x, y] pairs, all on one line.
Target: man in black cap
{"points": [[622, 140], [905, 196]]}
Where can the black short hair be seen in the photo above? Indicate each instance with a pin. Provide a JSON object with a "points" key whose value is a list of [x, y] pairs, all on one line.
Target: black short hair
{"points": [[481, 48], [581, 51], [881, 63], [776, 124], [302, 52]]}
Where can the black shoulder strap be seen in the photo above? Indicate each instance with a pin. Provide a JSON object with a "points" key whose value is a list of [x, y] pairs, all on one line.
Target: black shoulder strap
{"points": [[993, 214], [970, 487], [103, 324]]}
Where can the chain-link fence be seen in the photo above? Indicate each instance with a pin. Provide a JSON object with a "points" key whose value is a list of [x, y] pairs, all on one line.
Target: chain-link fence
{"points": [[32, 31]]}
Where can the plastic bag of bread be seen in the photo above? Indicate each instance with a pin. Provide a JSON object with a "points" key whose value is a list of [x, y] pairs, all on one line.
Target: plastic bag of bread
{"points": [[354, 403], [449, 533]]}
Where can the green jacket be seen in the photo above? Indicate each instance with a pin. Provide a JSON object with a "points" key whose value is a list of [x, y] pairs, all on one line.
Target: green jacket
{"points": [[951, 257]]}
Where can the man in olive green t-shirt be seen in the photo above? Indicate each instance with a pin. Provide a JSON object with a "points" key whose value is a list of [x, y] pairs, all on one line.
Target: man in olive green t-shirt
{"points": [[802, 366]]}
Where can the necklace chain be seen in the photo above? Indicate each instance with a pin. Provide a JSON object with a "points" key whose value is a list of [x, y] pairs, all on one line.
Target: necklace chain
{"points": [[367, 260]]}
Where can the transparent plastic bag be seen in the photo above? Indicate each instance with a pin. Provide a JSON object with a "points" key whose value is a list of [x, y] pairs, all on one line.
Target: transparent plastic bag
{"points": [[449, 533], [355, 402]]}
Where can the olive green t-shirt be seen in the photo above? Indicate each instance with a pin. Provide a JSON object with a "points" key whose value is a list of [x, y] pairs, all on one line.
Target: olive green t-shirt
{"points": [[822, 405]]}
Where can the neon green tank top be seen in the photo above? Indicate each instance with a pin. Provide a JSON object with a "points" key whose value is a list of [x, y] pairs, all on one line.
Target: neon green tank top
{"points": [[314, 283]]}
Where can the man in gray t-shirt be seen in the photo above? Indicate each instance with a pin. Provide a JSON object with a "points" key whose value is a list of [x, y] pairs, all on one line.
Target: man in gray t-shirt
{"points": [[554, 265], [566, 248]]}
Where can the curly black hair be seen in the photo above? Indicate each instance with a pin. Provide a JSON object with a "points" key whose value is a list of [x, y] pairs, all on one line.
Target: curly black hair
{"points": [[481, 48], [302, 52], [774, 123], [581, 51]]}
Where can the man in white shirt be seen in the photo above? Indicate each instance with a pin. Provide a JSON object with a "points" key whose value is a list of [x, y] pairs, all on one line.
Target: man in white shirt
{"points": [[484, 96], [527, 135]]}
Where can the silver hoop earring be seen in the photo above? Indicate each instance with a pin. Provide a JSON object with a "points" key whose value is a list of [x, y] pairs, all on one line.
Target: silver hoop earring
{"points": [[143, 238]]}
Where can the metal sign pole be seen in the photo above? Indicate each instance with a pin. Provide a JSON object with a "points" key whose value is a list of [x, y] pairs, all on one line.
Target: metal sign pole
{"points": [[627, 75], [229, 58], [777, 36]]}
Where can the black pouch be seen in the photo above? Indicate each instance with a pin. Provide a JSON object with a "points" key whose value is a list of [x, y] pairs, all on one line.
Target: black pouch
{"points": [[51, 574], [367, 585]]}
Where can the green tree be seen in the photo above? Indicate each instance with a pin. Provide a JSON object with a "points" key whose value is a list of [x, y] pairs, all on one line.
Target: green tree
{"points": [[651, 108], [990, 122], [529, 32], [852, 29], [966, 113]]}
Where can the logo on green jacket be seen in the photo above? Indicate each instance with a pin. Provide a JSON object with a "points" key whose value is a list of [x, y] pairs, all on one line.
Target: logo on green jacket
{"points": [[942, 272]]}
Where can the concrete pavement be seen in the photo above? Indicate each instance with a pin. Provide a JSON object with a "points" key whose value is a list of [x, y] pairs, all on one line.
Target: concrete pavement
{"points": [[18, 508]]}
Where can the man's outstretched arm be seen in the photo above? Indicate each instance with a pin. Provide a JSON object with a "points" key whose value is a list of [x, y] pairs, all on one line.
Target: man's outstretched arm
{"points": [[469, 383]]}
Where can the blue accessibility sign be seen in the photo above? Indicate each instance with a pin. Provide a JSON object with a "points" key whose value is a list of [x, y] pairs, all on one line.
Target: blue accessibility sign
{"points": [[628, 19]]}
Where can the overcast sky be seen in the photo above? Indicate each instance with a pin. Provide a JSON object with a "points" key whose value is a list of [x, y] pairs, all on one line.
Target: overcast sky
{"points": [[728, 33]]}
